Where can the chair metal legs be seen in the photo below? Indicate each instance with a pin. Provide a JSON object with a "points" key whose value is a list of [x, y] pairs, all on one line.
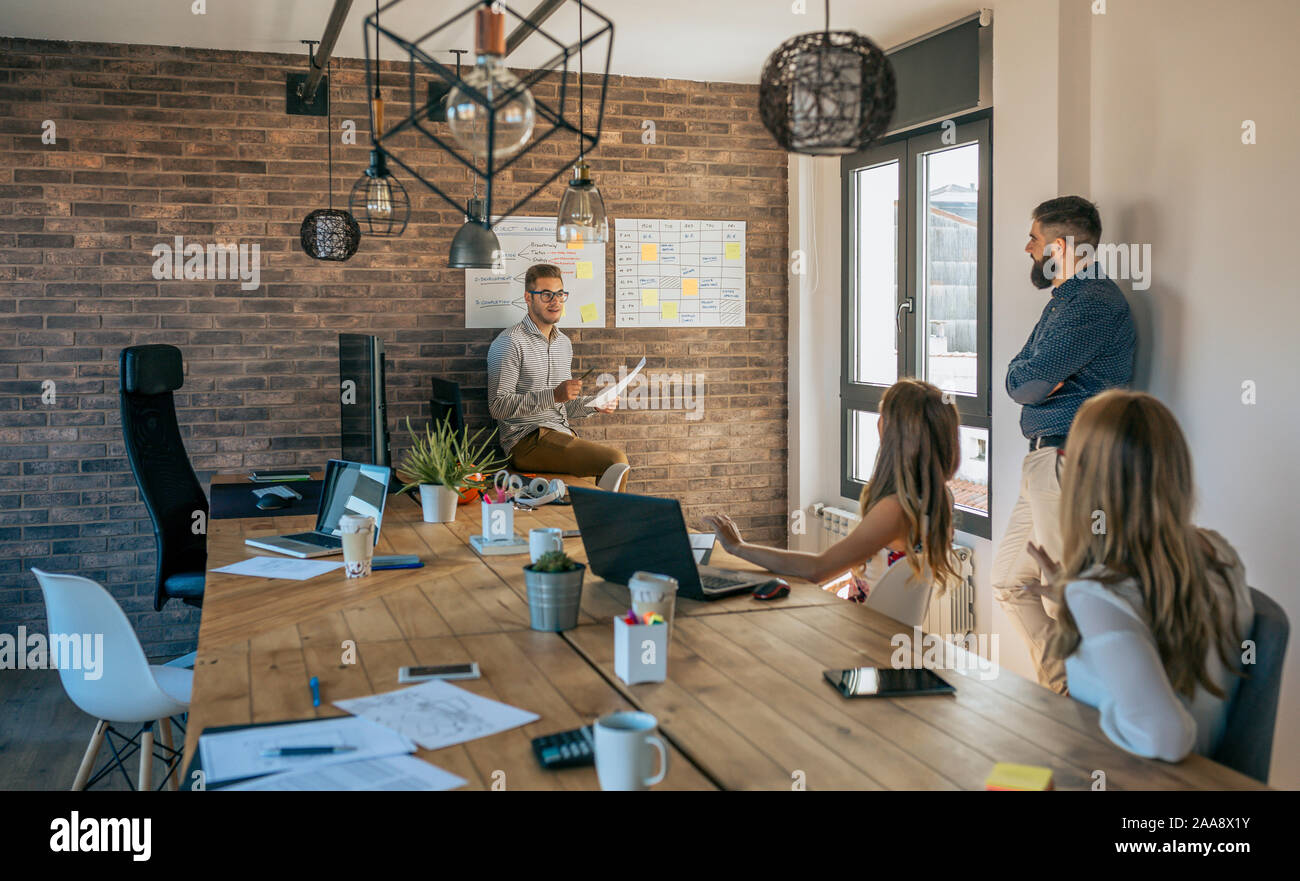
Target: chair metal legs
{"points": [[142, 742]]}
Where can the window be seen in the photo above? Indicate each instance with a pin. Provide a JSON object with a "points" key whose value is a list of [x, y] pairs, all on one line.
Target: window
{"points": [[917, 271]]}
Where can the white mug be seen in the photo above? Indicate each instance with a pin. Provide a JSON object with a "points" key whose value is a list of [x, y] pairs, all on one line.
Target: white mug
{"points": [[623, 752], [543, 539]]}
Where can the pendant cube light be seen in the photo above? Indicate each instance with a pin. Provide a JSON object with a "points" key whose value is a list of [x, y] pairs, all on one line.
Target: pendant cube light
{"points": [[552, 119]]}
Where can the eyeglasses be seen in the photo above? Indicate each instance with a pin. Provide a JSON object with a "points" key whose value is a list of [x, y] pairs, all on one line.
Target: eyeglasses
{"points": [[548, 296]]}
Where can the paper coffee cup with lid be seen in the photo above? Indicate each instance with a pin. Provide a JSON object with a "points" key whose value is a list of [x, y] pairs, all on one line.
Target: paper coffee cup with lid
{"points": [[651, 593], [357, 532]]}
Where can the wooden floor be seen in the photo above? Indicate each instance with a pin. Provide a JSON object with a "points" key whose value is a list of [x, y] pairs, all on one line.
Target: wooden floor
{"points": [[34, 701]]}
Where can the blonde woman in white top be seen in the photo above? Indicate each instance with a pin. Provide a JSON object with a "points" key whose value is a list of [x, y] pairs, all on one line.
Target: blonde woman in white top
{"points": [[1155, 610]]}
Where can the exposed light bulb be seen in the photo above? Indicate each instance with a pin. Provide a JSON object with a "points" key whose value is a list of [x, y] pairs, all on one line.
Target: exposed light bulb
{"points": [[379, 198], [582, 216], [468, 118]]}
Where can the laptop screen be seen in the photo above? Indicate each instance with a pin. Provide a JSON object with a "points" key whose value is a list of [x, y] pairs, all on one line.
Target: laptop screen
{"points": [[624, 533], [352, 488]]}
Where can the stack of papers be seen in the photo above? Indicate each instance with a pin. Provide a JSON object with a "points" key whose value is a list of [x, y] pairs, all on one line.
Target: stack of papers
{"points": [[382, 732], [437, 713], [392, 774], [280, 567], [234, 755]]}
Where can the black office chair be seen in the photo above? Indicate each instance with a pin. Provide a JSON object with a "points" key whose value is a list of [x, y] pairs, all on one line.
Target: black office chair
{"points": [[447, 400], [168, 486], [1247, 744]]}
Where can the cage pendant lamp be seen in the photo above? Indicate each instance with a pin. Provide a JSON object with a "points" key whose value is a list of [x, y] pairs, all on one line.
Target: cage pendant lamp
{"points": [[827, 93], [327, 233], [481, 119], [582, 216], [378, 200]]}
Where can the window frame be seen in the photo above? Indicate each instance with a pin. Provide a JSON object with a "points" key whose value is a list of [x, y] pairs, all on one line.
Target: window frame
{"points": [[909, 148]]}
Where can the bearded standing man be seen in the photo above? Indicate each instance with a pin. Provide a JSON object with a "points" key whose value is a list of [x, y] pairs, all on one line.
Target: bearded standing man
{"points": [[1083, 344]]}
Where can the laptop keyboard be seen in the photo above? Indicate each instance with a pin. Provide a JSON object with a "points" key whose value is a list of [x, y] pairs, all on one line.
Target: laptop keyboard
{"points": [[717, 582], [315, 538]]}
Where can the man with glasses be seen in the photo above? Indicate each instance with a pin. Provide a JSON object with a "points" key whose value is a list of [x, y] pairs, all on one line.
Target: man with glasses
{"points": [[532, 393]]}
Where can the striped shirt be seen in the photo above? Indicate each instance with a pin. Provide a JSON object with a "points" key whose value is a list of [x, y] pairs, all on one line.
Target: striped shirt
{"points": [[524, 368], [1085, 338]]}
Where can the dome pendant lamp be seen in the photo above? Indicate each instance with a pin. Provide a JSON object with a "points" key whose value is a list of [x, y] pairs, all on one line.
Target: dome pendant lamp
{"points": [[582, 216]]}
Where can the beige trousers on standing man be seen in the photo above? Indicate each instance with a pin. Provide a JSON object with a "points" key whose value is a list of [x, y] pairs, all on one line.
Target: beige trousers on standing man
{"points": [[1036, 518]]}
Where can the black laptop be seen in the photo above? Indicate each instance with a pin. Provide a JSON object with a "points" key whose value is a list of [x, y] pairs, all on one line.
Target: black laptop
{"points": [[624, 534]]}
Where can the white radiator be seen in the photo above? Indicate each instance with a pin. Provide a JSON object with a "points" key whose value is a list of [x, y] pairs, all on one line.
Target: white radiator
{"points": [[952, 614]]}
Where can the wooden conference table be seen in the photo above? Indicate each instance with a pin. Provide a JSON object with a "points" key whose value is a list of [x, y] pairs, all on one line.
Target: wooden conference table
{"points": [[745, 705]]}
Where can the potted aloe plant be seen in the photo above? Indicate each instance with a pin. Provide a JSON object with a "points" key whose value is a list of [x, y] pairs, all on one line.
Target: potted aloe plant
{"points": [[554, 585], [442, 462]]}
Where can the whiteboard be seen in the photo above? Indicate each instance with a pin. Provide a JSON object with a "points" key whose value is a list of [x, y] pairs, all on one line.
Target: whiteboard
{"points": [[495, 297], [679, 273]]}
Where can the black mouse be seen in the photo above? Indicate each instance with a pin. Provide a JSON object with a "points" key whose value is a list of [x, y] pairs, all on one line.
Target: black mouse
{"points": [[772, 590], [272, 502]]}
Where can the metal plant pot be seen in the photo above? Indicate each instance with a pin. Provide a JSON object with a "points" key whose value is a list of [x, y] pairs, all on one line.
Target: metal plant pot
{"points": [[554, 598]]}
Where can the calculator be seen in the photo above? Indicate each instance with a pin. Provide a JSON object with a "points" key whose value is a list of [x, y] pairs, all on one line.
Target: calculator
{"points": [[567, 749]]}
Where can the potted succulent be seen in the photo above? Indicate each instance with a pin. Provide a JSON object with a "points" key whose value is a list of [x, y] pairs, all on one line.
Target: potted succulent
{"points": [[554, 591], [442, 462]]}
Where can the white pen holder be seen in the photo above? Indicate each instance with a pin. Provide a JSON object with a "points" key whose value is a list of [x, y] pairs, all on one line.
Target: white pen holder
{"points": [[640, 652], [498, 520]]}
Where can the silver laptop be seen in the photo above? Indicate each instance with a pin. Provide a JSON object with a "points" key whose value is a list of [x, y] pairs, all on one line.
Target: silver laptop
{"points": [[348, 488]]}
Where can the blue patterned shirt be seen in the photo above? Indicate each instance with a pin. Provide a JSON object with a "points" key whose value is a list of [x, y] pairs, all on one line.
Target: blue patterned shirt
{"points": [[1084, 338]]}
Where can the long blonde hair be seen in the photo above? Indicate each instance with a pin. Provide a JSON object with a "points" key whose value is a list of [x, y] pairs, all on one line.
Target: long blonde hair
{"points": [[1126, 513], [920, 451]]}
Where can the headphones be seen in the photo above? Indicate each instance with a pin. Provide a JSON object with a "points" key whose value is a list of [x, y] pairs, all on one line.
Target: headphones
{"points": [[541, 492]]}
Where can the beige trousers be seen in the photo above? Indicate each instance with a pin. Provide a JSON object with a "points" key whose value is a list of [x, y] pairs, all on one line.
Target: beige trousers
{"points": [[554, 451], [1036, 518]]}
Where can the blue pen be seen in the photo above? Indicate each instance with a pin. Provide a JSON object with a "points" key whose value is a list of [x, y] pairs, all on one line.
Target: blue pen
{"points": [[315, 691]]}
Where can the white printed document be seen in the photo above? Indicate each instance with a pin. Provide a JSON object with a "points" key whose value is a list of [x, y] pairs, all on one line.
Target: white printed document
{"points": [[610, 393], [392, 774], [280, 567], [437, 714], [233, 755]]}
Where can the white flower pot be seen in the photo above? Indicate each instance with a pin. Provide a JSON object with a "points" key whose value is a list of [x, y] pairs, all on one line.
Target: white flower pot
{"points": [[439, 503]]}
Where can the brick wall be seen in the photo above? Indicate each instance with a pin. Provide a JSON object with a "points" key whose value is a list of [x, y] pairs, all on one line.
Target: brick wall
{"points": [[156, 142]]}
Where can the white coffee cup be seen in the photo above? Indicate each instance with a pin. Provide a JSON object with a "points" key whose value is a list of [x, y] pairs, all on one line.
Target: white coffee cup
{"points": [[624, 754], [543, 539], [357, 533]]}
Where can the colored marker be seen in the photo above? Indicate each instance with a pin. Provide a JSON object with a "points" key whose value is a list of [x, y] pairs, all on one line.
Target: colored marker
{"points": [[314, 683]]}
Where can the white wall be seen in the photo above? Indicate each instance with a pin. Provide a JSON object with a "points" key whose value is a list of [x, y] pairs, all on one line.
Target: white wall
{"points": [[1139, 109]]}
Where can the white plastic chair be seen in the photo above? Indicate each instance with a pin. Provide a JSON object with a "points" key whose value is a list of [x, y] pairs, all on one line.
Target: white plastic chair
{"points": [[614, 478], [129, 689], [901, 595]]}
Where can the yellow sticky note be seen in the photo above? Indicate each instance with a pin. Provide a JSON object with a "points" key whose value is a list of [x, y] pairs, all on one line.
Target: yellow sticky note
{"points": [[584, 269], [649, 296], [588, 312], [649, 253], [690, 287], [668, 310], [575, 245], [733, 250]]}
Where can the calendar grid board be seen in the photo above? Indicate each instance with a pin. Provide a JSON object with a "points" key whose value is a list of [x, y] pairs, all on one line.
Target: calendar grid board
{"points": [[495, 297], [679, 273]]}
